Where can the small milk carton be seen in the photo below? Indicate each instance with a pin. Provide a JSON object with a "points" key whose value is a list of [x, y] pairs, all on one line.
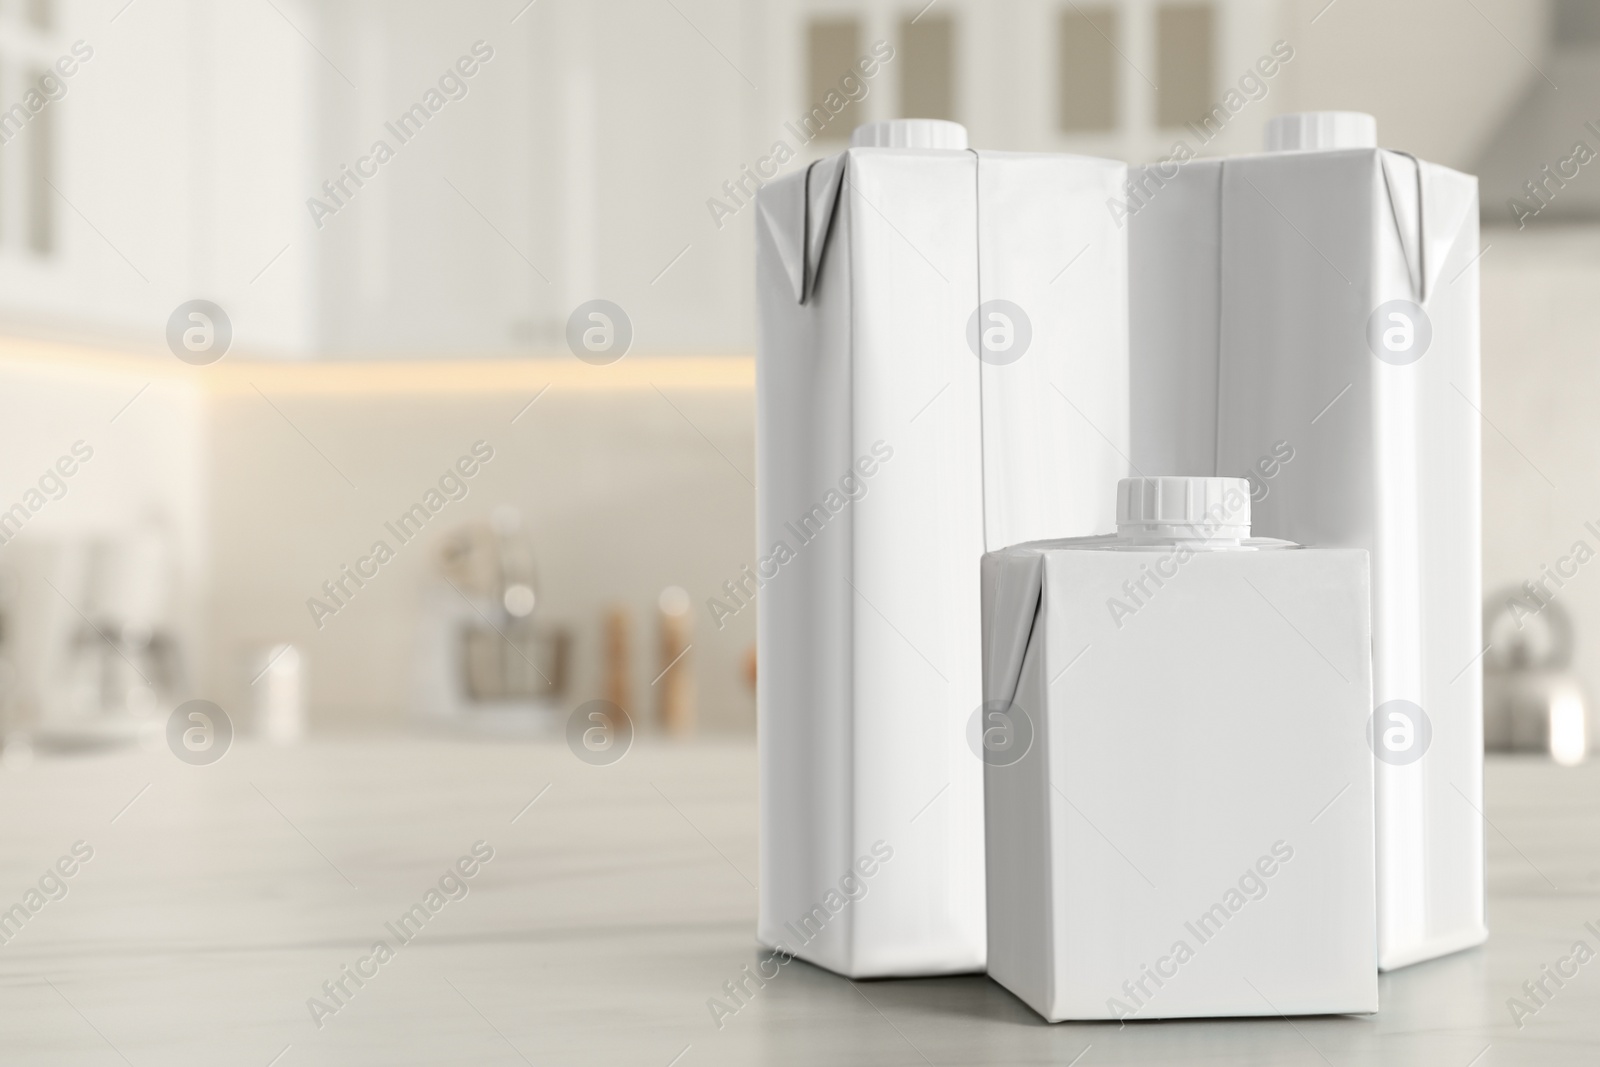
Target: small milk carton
{"points": [[1326, 294], [1178, 795], [942, 369]]}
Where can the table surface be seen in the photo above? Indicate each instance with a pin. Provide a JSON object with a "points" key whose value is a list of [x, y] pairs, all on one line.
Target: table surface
{"points": [[619, 899]]}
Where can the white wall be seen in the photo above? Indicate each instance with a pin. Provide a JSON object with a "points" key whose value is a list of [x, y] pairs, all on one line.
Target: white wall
{"points": [[620, 492]]}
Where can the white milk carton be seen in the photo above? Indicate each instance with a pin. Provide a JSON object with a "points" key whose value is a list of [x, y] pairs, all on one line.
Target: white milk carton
{"points": [[1326, 293], [1178, 794], [942, 368]]}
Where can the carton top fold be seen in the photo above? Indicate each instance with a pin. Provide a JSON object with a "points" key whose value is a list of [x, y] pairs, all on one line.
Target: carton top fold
{"points": [[1012, 594]]}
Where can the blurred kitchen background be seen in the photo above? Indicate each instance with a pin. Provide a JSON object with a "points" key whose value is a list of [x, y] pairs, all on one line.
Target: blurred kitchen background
{"points": [[395, 318]]}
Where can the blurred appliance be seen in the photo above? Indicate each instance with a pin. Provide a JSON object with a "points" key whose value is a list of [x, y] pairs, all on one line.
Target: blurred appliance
{"points": [[1532, 702], [112, 663], [488, 662]]}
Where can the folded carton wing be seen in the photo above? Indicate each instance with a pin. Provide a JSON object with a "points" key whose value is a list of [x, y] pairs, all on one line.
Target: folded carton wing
{"points": [[1012, 592]]}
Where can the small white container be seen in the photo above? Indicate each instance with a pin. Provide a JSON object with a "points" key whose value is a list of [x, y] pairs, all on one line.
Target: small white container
{"points": [[1178, 785], [277, 684]]}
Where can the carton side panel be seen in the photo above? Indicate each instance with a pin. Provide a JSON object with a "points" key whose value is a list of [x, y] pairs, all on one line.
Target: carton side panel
{"points": [[1450, 508], [1382, 455], [1055, 417], [917, 545], [804, 621], [1297, 283], [1017, 835], [1215, 802], [1174, 245]]}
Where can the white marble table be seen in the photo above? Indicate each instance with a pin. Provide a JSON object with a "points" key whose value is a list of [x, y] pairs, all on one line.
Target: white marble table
{"points": [[222, 898]]}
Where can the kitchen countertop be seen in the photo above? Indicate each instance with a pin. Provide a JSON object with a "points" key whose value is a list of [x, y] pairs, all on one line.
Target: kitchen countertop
{"points": [[618, 900]]}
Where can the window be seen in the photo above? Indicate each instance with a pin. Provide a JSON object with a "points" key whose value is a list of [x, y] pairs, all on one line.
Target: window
{"points": [[1087, 85], [28, 137], [41, 158], [927, 61], [833, 45], [1184, 45]]}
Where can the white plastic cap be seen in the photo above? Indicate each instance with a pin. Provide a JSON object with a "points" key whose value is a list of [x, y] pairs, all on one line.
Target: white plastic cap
{"points": [[1206, 507], [911, 133], [1308, 130]]}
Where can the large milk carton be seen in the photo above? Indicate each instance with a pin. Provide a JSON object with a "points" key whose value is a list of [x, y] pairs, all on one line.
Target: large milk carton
{"points": [[1326, 294], [942, 369]]}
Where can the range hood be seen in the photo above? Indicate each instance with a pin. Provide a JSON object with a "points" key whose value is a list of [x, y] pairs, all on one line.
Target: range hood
{"points": [[1533, 171]]}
